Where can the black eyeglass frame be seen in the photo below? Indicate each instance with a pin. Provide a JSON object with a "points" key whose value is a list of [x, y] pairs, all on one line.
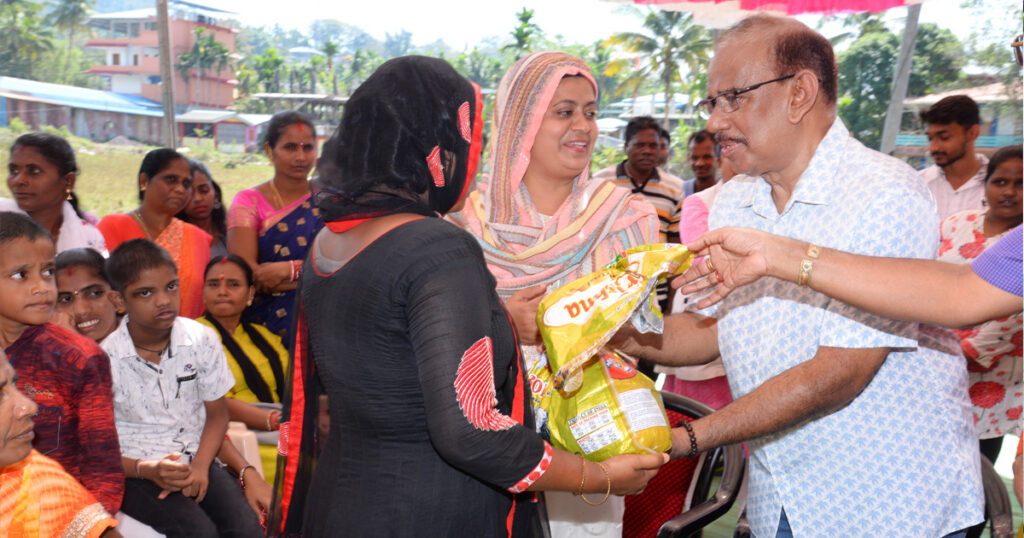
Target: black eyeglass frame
{"points": [[706, 107]]}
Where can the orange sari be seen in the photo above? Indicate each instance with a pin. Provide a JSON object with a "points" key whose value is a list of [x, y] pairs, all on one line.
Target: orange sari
{"points": [[38, 499], [188, 245]]}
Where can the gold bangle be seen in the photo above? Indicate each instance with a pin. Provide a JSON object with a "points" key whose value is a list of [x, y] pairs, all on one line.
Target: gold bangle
{"points": [[807, 265], [583, 472], [138, 473], [607, 492]]}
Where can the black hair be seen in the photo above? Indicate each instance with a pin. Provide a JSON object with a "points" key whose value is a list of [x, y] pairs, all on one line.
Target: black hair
{"points": [[796, 47], [716, 150], [232, 258], [699, 136], [1002, 155], [640, 123], [219, 215], [17, 226], [665, 134], [157, 161], [958, 109], [280, 121], [409, 110], [131, 258], [56, 150], [83, 257]]}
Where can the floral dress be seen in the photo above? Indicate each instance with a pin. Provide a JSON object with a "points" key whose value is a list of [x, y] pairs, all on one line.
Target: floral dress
{"points": [[992, 349]]}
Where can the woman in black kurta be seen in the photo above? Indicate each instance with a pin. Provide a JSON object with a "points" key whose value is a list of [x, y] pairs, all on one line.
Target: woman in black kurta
{"points": [[430, 432]]}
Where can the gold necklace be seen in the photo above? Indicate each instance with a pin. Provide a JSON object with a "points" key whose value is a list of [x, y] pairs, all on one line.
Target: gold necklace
{"points": [[137, 215], [277, 194]]}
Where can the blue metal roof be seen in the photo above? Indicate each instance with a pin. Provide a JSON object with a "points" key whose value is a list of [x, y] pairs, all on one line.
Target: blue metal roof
{"points": [[83, 98]]}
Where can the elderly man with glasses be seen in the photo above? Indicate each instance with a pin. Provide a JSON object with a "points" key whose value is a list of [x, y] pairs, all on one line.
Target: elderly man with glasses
{"points": [[858, 425]]}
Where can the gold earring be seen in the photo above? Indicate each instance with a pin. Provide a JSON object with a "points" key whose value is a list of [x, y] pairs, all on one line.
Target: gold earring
{"points": [[68, 193]]}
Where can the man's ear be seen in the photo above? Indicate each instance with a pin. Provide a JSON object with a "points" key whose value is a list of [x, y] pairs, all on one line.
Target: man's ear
{"points": [[803, 95], [972, 132], [118, 300]]}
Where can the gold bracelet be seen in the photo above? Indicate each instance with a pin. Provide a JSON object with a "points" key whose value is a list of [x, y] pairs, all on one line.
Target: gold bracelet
{"points": [[607, 492], [807, 265], [583, 472], [138, 474]]}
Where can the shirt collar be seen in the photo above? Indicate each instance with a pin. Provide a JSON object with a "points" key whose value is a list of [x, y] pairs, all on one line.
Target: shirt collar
{"points": [[620, 171], [817, 183], [119, 345]]}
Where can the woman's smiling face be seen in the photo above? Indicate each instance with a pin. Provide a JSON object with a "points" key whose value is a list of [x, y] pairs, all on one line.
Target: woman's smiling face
{"points": [[565, 139]]}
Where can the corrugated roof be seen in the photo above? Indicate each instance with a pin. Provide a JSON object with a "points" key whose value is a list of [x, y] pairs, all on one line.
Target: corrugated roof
{"points": [[75, 97], [205, 116], [254, 119]]}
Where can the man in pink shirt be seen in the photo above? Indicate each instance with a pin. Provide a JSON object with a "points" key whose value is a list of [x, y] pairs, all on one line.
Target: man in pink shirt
{"points": [[957, 178]]}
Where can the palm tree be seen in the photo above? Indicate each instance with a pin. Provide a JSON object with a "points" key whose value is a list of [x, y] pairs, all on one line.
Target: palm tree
{"points": [[522, 34], [330, 50], [671, 39], [67, 15], [24, 36]]}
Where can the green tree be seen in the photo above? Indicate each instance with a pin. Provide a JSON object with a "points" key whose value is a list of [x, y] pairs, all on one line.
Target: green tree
{"points": [[330, 50], [68, 15], [24, 37], [479, 67], [397, 44], [523, 34], [268, 70], [671, 39], [866, 69]]}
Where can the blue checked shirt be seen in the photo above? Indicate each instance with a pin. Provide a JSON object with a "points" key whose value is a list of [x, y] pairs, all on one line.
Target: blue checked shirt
{"points": [[902, 458]]}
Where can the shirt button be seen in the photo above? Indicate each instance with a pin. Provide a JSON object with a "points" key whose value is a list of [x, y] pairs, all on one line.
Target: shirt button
{"points": [[181, 430]]}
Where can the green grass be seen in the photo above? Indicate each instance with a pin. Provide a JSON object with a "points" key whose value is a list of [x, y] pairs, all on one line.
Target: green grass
{"points": [[108, 180]]}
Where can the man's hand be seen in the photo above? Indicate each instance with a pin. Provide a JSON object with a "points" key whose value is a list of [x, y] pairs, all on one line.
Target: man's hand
{"points": [[522, 306], [168, 473], [735, 256], [200, 476], [257, 492]]}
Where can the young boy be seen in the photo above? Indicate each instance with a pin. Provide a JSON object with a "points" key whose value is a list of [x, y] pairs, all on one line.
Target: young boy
{"points": [[170, 377], [64, 373]]}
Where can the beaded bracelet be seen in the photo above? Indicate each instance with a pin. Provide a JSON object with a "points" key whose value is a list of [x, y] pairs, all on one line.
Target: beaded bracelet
{"points": [[693, 440], [241, 474]]}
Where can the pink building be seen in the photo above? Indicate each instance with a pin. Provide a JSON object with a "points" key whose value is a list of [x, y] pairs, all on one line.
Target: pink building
{"points": [[131, 51]]}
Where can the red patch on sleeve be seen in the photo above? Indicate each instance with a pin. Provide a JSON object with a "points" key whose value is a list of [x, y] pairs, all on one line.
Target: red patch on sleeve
{"points": [[464, 122], [474, 387], [434, 164]]}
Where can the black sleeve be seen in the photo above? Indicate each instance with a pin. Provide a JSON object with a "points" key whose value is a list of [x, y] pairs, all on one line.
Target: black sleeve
{"points": [[450, 305]]}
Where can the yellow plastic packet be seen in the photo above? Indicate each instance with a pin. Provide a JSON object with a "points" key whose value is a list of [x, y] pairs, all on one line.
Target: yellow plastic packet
{"points": [[616, 411], [601, 406]]}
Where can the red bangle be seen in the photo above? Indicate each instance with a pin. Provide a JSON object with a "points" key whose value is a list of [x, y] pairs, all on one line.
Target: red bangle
{"points": [[296, 269]]}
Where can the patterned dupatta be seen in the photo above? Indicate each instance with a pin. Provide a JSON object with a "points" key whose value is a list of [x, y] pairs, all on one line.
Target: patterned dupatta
{"points": [[283, 238], [39, 498], [523, 248]]}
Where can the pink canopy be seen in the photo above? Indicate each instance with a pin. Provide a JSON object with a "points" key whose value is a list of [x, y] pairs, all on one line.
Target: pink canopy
{"points": [[721, 13]]}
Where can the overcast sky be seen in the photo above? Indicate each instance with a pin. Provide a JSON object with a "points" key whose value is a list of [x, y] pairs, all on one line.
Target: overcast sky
{"points": [[463, 23]]}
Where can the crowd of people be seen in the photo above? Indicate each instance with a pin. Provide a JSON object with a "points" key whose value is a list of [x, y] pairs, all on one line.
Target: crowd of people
{"points": [[383, 316]]}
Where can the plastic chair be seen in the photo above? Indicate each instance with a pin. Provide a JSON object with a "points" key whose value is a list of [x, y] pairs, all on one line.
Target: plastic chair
{"points": [[998, 510], [676, 502]]}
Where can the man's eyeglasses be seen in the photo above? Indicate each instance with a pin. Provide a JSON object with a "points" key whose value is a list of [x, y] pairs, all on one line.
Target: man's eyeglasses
{"points": [[729, 100], [1018, 42]]}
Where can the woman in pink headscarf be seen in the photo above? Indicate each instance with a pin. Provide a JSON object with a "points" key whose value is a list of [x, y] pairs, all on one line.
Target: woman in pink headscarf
{"points": [[542, 222]]}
